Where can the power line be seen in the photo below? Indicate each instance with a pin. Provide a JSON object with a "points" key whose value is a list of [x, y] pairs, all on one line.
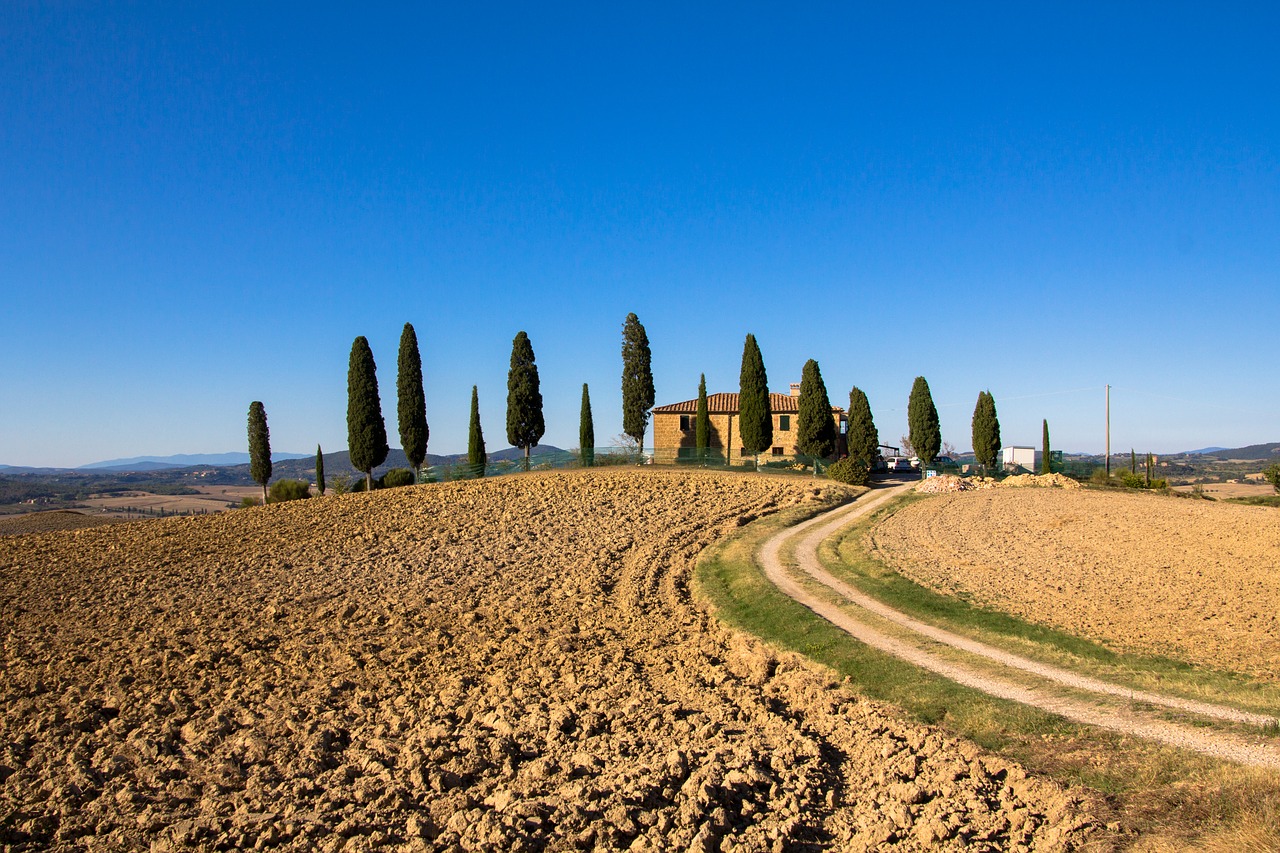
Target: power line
{"points": [[1032, 396]]}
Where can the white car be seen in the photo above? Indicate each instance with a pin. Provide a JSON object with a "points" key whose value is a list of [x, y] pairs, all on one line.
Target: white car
{"points": [[897, 463]]}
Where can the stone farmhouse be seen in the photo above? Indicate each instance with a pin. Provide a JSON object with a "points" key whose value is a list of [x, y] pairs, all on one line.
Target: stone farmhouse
{"points": [[673, 427]]}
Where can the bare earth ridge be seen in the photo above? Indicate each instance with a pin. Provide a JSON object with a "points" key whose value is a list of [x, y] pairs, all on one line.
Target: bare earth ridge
{"points": [[512, 664]]}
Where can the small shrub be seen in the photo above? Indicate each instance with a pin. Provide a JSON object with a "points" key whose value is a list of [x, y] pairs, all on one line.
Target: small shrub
{"points": [[848, 470], [397, 477], [1130, 480], [1272, 476], [1099, 477], [289, 490], [340, 485], [245, 503]]}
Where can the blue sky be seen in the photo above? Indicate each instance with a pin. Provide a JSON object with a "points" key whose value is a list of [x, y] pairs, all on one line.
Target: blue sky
{"points": [[202, 205]]}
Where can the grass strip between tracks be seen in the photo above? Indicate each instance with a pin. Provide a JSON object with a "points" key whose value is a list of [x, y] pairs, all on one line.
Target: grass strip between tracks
{"points": [[1169, 798]]}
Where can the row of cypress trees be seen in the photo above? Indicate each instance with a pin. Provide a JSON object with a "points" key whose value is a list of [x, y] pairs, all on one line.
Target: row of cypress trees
{"points": [[816, 431], [366, 434]]}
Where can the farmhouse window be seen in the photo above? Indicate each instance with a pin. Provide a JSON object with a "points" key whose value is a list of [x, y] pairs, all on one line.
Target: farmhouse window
{"points": [[686, 423], [784, 424], [777, 451]]}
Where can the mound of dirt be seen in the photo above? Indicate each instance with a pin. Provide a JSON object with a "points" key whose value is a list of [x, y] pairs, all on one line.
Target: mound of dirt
{"points": [[1055, 481], [946, 483], [43, 522], [512, 664], [1193, 580]]}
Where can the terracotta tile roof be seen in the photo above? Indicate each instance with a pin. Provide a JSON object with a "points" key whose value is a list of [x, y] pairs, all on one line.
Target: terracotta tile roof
{"points": [[719, 404]]}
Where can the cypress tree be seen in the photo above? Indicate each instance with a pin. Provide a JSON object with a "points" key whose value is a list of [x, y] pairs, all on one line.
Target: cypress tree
{"points": [[815, 428], [475, 438], [586, 432], [986, 431], [411, 401], [755, 418], [524, 399], [319, 470], [863, 439], [702, 420], [1045, 467], [922, 423], [259, 447], [637, 380], [366, 431]]}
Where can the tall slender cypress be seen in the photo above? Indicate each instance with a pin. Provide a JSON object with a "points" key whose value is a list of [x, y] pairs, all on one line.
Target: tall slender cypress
{"points": [[986, 431], [525, 425], [637, 379], [1045, 466], [411, 401], [815, 428], [319, 470], [586, 432], [259, 447], [366, 431], [863, 439], [755, 417], [702, 421], [922, 423], [475, 438]]}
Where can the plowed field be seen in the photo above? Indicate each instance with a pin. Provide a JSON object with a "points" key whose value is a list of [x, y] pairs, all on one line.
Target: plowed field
{"points": [[42, 522], [501, 665], [1193, 580]]}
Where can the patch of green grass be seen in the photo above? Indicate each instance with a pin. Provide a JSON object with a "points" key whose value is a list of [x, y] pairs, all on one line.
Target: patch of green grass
{"points": [[845, 556]]}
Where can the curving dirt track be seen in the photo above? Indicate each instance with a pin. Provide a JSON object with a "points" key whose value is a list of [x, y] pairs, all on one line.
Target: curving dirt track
{"points": [[1193, 580], [920, 643], [512, 664]]}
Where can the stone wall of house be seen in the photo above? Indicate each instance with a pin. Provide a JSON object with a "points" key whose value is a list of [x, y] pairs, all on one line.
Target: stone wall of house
{"points": [[667, 434]]}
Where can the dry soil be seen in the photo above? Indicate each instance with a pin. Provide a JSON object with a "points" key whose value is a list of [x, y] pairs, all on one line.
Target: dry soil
{"points": [[1193, 580], [504, 665], [43, 522]]}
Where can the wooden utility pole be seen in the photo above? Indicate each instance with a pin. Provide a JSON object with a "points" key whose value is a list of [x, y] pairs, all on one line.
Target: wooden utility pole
{"points": [[1108, 432]]}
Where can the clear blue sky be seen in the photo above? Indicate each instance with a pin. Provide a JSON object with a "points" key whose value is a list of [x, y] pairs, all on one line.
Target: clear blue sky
{"points": [[202, 205]]}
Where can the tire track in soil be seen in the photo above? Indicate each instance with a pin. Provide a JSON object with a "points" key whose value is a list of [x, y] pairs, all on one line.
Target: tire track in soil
{"points": [[809, 534]]}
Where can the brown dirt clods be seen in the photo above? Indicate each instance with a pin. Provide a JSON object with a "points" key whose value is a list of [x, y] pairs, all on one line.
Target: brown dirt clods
{"points": [[512, 664]]}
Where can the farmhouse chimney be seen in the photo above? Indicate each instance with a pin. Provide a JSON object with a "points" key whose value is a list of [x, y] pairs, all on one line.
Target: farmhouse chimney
{"points": [[795, 389]]}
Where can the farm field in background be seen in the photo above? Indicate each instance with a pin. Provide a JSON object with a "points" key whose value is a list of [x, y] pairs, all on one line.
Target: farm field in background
{"points": [[209, 499]]}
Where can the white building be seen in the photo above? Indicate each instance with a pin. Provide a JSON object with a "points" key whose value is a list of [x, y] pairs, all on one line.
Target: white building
{"points": [[1024, 456]]}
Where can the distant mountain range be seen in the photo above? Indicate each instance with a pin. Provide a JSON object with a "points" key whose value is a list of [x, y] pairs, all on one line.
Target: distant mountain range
{"points": [[1253, 451], [180, 460], [282, 464]]}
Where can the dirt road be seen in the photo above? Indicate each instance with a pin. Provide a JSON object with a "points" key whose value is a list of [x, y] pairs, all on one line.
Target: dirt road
{"points": [[909, 639]]}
